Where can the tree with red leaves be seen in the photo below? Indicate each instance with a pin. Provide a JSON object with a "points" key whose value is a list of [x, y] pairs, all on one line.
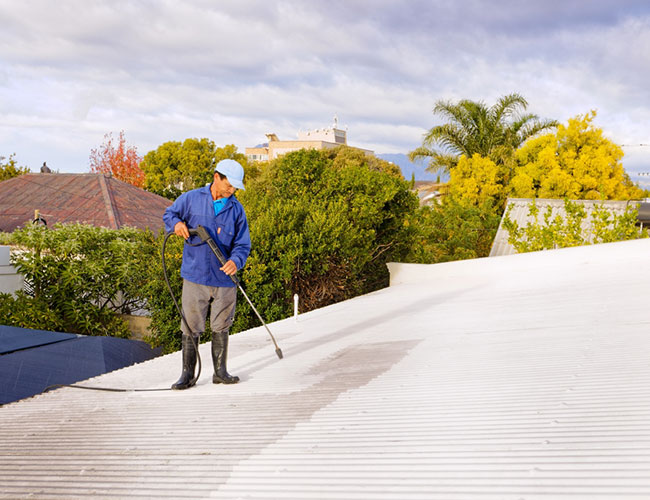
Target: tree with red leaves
{"points": [[118, 159]]}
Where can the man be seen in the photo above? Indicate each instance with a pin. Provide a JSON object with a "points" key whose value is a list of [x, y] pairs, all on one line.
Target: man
{"points": [[205, 280]]}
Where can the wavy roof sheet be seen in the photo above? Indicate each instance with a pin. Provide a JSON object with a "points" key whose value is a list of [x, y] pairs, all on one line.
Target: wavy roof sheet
{"points": [[519, 212], [514, 377]]}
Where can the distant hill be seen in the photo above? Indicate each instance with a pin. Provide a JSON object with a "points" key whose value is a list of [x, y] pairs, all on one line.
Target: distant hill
{"points": [[409, 168]]}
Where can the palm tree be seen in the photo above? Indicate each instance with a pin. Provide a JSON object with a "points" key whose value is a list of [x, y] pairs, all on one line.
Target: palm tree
{"points": [[472, 127]]}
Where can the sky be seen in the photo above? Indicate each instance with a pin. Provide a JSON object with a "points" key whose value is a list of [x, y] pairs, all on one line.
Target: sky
{"points": [[72, 71]]}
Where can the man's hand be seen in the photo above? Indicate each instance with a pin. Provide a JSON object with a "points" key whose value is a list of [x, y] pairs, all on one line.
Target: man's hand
{"points": [[229, 268], [181, 230]]}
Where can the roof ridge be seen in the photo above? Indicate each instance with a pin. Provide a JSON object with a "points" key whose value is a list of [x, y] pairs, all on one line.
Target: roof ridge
{"points": [[108, 202]]}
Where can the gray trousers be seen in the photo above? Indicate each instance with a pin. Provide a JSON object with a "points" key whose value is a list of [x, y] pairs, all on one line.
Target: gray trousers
{"points": [[196, 301]]}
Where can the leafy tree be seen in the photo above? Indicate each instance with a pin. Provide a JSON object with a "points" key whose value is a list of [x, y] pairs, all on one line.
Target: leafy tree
{"points": [[452, 231], [478, 180], [577, 162], [345, 156], [323, 225], [118, 159], [81, 277], [25, 311], [10, 168], [472, 128], [568, 230], [176, 167]]}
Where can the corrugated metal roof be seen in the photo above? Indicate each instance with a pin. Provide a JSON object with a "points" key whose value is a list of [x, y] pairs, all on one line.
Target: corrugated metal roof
{"points": [[518, 210], [519, 377], [97, 199]]}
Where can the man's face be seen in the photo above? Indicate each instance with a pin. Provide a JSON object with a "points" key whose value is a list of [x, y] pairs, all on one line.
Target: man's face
{"points": [[223, 189]]}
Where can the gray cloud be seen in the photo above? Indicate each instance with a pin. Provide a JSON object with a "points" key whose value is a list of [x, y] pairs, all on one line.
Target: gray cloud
{"points": [[73, 70]]}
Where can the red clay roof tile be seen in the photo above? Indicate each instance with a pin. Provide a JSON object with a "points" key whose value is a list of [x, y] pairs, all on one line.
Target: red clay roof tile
{"points": [[96, 199]]}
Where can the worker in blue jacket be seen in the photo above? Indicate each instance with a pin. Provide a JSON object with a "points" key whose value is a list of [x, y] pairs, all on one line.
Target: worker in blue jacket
{"points": [[205, 281]]}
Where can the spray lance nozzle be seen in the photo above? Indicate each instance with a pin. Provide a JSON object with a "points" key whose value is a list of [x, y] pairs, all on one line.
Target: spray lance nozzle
{"points": [[205, 237]]}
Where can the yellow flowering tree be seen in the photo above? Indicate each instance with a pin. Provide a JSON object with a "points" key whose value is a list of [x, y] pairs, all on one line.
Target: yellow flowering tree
{"points": [[477, 180], [576, 162]]}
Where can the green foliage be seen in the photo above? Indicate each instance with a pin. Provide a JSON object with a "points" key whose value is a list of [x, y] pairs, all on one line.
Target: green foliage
{"points": [[452, 231], [323, 224], [609, 227], [165, 320], [568, 231], [25, 311], [472, 128], [165, 323], [176, 167], [81, 276], [10, 168]]}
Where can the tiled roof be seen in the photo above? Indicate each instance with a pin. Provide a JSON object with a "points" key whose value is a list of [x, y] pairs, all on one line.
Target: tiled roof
{"points": [[96, 199], [518, 377], [518, 210]]}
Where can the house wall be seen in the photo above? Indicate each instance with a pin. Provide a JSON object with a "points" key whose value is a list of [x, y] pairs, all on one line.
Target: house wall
{"points": [[278, 148], [318, 139], [138, 325], [10, 280]]}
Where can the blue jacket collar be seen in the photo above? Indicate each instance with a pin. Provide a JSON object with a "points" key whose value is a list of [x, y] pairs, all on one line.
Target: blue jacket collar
{"points": [[206, 191]]}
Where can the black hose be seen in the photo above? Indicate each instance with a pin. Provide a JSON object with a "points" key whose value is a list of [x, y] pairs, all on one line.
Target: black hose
{"points": [[205, 237], [180, 312]]}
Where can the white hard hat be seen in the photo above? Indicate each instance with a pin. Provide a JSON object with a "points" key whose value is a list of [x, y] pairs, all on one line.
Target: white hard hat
{"points": [[233, 171]]}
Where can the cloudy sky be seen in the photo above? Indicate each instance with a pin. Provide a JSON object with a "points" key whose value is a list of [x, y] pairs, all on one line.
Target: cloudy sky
{"points": [[161, 70]]}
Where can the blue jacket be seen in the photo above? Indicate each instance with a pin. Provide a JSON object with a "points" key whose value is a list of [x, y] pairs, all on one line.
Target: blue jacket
{"points": [[229, 229]]}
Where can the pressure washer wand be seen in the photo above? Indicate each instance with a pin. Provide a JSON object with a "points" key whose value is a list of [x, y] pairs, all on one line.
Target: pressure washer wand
{"points": [[205, 237]]}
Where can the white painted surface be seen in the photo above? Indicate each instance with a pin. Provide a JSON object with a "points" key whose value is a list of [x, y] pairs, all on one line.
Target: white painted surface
{"points": [[520, 377], [10, 280]]}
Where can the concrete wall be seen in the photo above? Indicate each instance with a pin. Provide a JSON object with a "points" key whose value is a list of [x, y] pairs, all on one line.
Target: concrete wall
{"points": [[10, 280], [138, 325]]}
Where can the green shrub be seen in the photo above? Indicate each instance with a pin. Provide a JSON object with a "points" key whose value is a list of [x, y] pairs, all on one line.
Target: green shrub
{"points": [[81, 277], [566, 230], [452, 231], [165, 320], [323, 224]]}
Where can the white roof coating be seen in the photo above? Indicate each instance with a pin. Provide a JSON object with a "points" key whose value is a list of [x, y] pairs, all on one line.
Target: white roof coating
{"points": [[518, 377]]}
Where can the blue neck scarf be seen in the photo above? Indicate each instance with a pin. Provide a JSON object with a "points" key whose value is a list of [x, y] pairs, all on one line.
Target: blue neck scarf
{"points": [[219, 204]]}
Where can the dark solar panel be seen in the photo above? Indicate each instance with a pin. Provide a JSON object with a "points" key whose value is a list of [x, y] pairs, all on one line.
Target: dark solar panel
{"points": [[26, 372], [14, 339]]}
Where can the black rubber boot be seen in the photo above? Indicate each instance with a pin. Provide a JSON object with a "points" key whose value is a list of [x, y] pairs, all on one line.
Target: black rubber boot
{"points": [[189, 362], [219, 355]]}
